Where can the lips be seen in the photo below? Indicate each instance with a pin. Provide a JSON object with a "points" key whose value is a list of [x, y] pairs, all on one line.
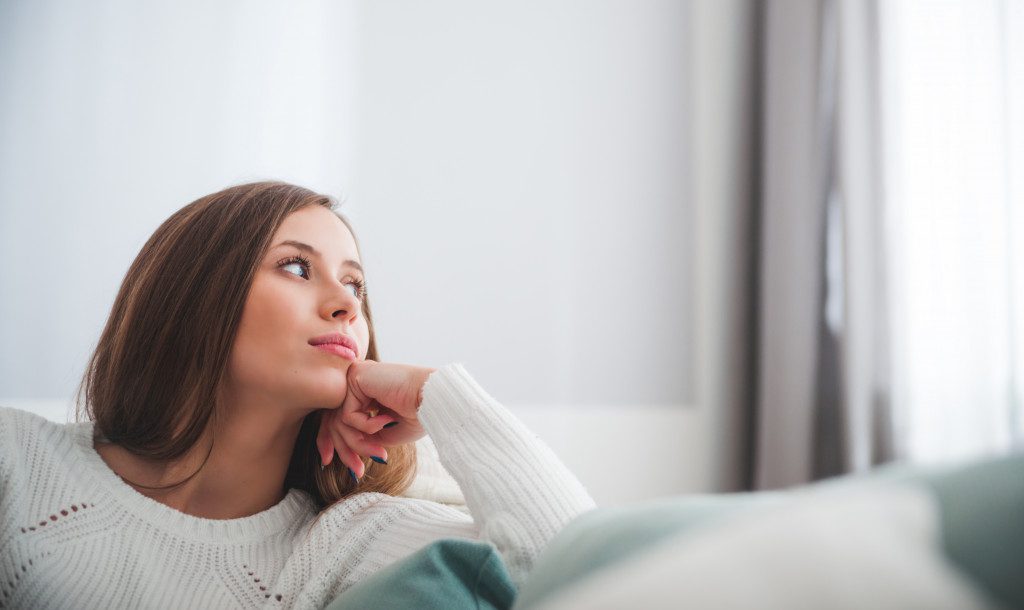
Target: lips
{"points": [[336, 343]]}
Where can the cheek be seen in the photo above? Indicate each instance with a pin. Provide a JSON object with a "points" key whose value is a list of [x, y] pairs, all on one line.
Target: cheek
{"points": [[271, 353], [363, 337], [269, 338], [268, 324]]}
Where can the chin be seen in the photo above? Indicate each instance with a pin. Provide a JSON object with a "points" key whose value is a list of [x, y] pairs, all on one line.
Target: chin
{"points": [[328, 386]]}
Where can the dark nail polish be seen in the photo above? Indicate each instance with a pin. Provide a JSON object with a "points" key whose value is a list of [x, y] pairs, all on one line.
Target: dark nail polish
{"points": [[353, 475], [391, 425], [379, 460]]}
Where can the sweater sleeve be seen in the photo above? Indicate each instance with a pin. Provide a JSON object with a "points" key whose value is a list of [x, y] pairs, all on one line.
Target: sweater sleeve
{"points": [[518, 491]]}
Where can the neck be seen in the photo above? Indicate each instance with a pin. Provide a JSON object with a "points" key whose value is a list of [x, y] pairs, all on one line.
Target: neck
{"points": [[244, 474]]}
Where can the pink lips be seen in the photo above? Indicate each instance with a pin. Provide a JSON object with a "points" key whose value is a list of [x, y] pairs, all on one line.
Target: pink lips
{"points": [[336, 349], [338, 344]]}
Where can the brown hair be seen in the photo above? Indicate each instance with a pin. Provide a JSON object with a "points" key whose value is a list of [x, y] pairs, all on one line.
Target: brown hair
{"points": [[151, 385]]}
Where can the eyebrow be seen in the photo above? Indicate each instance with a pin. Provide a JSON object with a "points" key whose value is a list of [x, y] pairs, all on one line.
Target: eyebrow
{"points": [[316, 253]]}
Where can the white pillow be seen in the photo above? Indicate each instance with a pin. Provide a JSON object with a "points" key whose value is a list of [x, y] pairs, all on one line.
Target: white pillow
{"points": [[859, 547]]}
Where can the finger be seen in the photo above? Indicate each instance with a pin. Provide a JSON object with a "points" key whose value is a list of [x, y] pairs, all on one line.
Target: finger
{"points": [[360, 411], [347, 456], [362, 421], [355, 399], [324, 442], [354, 463], [402, 433], [362, 444]]}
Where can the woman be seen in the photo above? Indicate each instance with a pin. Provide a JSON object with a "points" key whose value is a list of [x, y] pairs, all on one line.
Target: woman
{"points": [[243, 445]]}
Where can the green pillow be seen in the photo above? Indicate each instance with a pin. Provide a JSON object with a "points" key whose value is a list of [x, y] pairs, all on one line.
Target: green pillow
{"points": [[447, 574]]}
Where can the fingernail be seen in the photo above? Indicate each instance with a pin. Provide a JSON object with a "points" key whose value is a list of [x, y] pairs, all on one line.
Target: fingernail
{"points": [[353, 475], [379, 460], [391, 425]]}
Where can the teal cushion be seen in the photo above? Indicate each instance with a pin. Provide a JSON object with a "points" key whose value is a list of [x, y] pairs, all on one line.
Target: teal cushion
{"points": [[983, 523], [447, 574]]}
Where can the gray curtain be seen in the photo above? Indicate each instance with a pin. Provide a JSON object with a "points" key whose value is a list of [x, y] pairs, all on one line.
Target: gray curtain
{"points": [[821, 406]]}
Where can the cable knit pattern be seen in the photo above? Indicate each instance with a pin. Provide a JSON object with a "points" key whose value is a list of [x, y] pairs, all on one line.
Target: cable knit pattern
{"points": [[74, 535]]}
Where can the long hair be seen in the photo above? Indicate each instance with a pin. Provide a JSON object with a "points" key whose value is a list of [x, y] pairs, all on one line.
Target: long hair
{"points": [[151, 385]]}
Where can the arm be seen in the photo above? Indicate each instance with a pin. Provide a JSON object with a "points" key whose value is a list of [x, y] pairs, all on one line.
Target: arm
{"points": [[517, 490], [519, 493]]}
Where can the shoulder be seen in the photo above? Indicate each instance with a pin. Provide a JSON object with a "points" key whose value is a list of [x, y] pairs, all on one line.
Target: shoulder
{"points": [[17, 424], [22, 432]]}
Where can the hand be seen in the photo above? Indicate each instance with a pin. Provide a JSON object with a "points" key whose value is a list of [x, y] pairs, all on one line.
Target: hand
{"points": [[379, 394]]}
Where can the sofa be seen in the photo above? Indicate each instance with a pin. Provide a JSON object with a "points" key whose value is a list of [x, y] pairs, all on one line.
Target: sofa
{"points": [[900, 536]]}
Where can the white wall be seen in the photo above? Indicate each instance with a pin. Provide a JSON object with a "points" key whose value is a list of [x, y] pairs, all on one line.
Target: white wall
{"points": [[521, 184], [113, 115], [518, 177]]}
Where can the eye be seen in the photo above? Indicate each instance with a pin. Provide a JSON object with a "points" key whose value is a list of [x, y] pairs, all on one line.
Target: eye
{"points": [[299, 261], [357, 285], [360, 287]]}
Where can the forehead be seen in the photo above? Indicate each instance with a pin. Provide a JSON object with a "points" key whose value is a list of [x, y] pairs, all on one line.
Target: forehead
{"points": [[320, 228]]}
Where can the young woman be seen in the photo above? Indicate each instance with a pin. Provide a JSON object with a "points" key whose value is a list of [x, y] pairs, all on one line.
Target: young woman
{"points": [[243, 444]]}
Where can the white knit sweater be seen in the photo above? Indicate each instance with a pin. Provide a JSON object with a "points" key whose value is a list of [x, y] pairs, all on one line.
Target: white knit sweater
{"points": [[74, 535]]}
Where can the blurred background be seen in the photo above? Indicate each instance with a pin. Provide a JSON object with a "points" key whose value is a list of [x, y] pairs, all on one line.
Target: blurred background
{"points": [[702, 246]]}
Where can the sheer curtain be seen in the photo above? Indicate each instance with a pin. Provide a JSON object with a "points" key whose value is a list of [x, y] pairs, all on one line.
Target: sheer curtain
{"points": [[952, 100], [890, 218]]}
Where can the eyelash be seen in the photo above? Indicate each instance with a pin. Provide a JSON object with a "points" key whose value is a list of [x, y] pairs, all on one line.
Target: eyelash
{"points": [[302, 260]]}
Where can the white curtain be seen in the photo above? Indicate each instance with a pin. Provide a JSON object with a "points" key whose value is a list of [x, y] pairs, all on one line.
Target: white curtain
{"points": [[953, 96]]}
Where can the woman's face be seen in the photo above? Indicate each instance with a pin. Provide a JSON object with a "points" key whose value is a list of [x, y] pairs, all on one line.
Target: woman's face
{"points": [[290, 303]]}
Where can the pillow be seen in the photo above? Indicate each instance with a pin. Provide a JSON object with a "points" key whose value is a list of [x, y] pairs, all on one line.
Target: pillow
{"points": [[449, 574], [604, 537], [899, 536]]}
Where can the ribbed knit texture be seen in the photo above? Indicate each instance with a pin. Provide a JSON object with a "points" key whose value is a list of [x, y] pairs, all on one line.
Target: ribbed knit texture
{"points": [[74, 535]]}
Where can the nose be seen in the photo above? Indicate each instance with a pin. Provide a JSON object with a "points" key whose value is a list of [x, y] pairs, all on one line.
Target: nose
{"points": [[340, 304]]}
